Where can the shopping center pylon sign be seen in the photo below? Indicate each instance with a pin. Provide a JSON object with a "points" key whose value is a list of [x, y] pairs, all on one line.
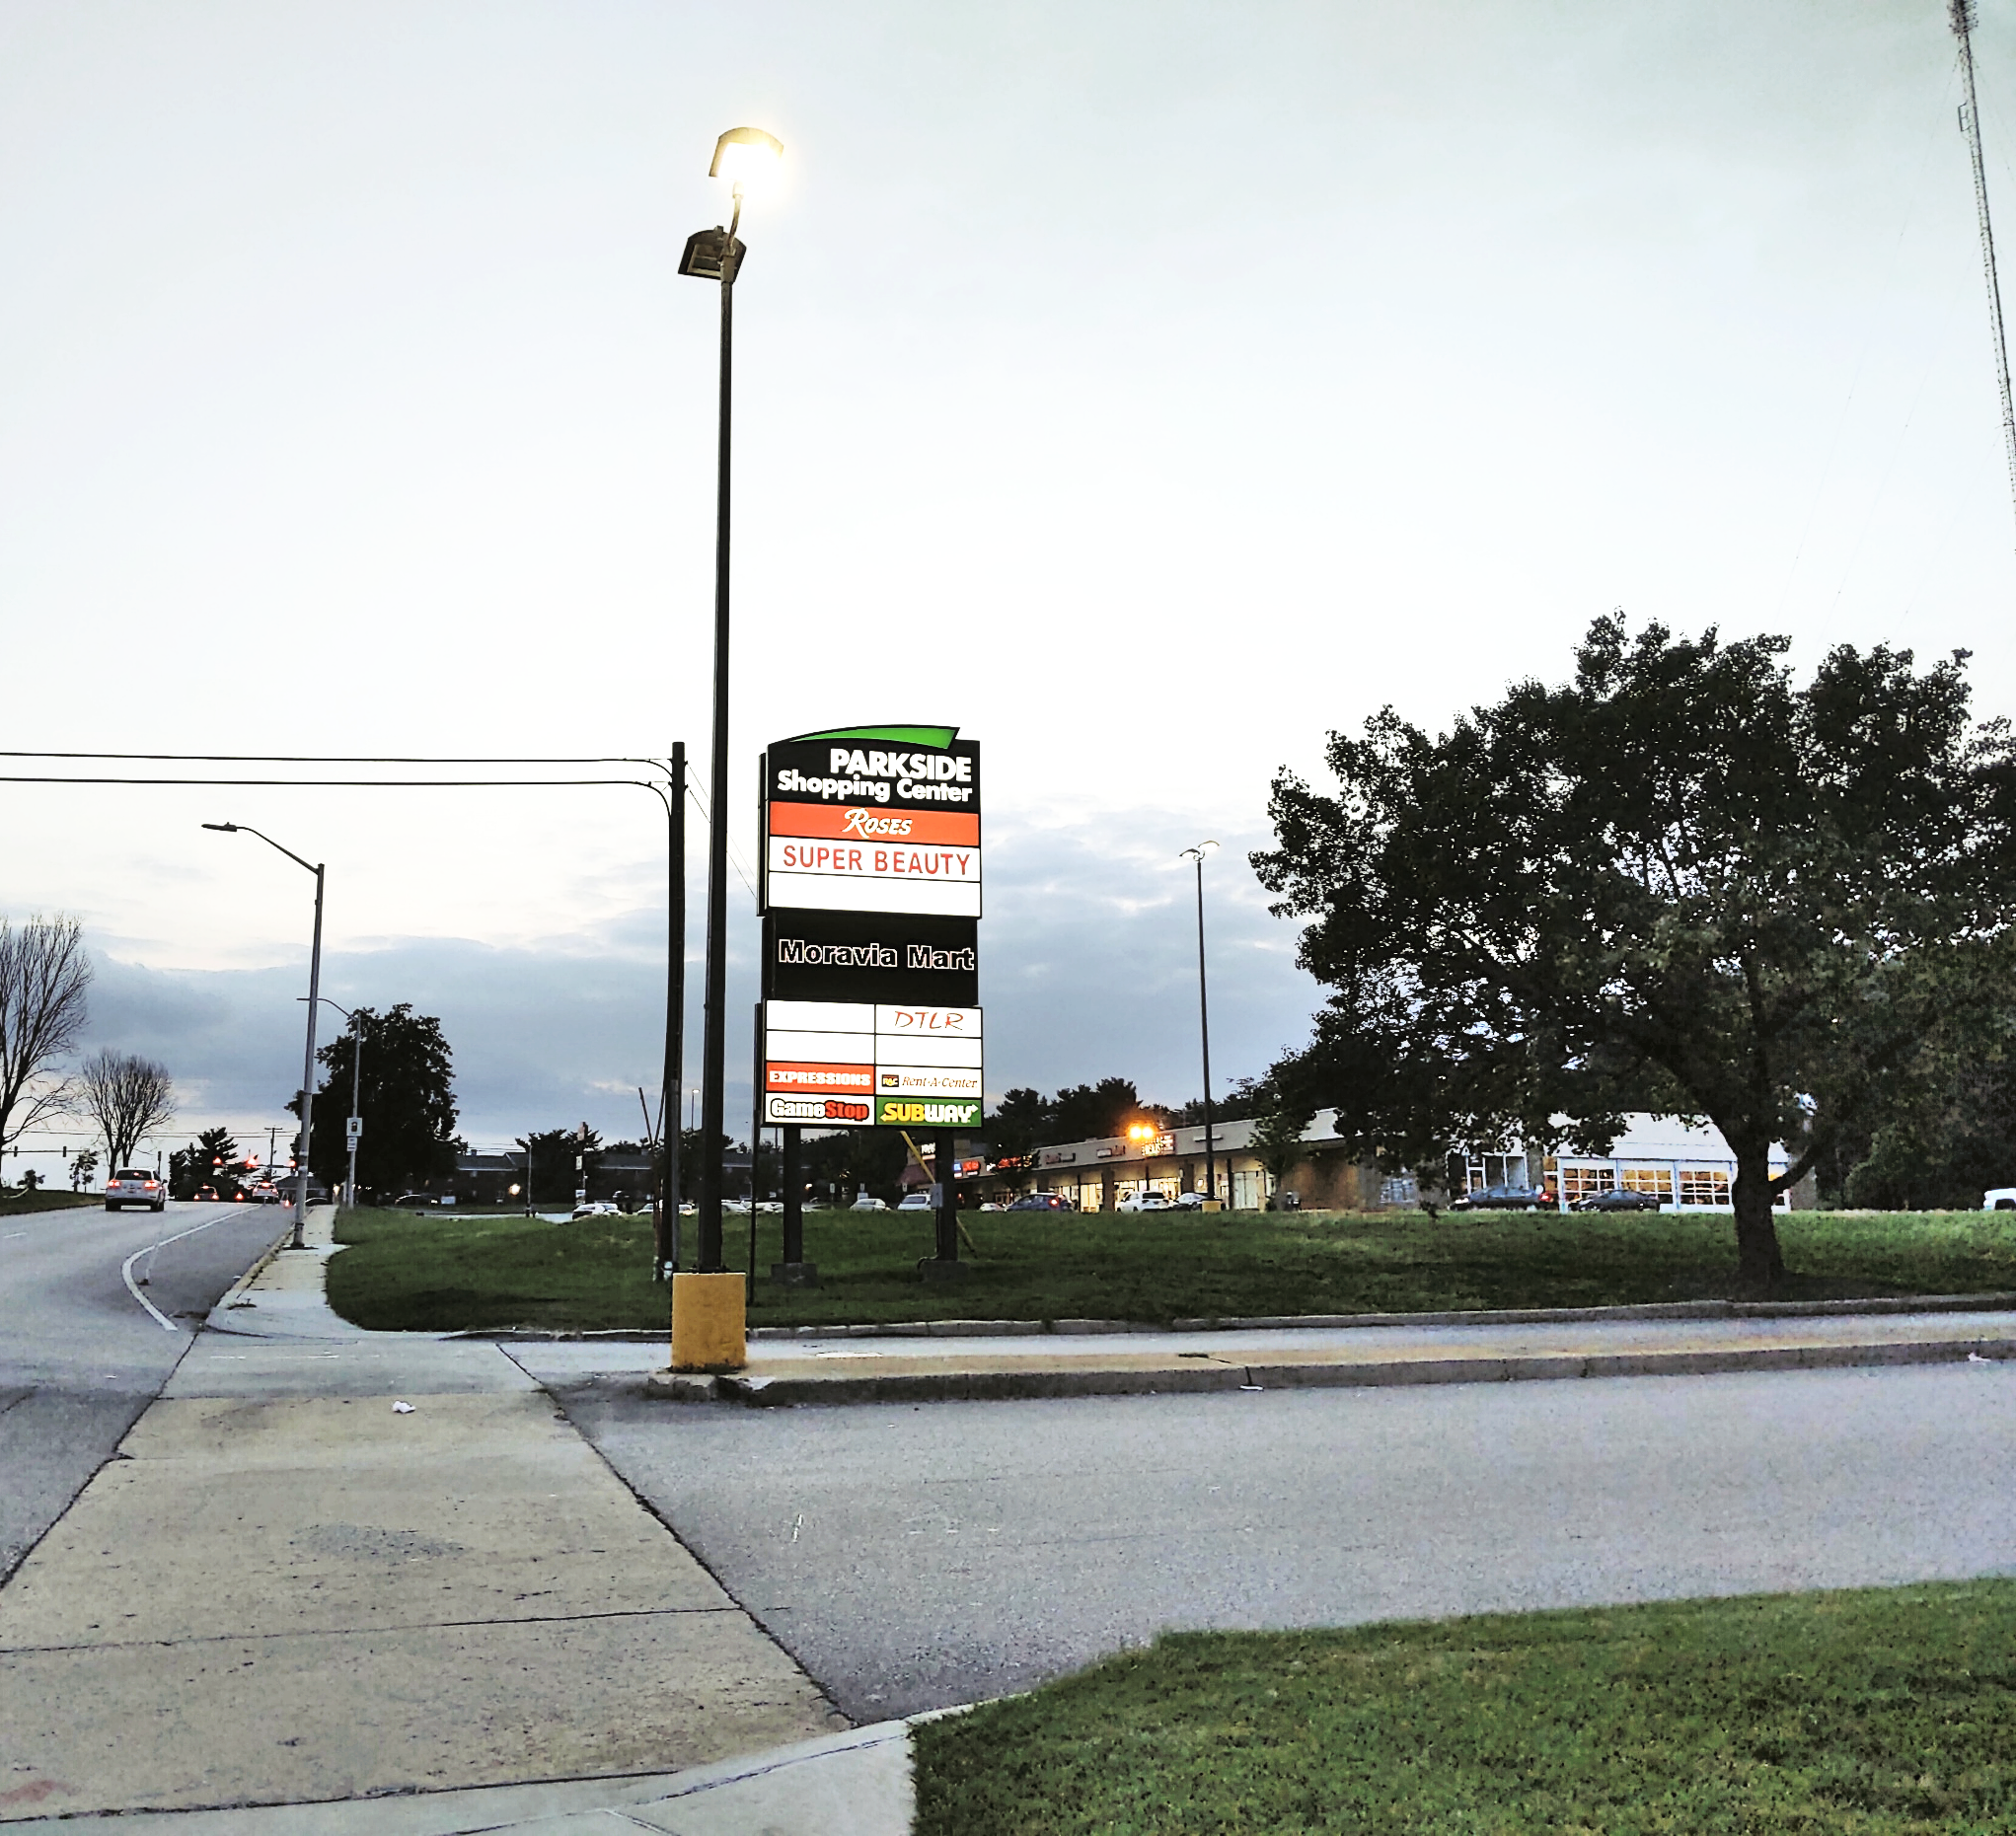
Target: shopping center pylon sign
{"points": [[870, 897]]}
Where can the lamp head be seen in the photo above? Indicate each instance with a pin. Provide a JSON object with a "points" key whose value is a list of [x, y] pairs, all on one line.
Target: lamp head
{"points": [[1198, 852], [223, 827], [746, 156]]}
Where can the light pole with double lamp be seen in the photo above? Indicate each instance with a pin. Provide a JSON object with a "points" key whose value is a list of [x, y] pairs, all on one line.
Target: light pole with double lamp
{"points": [[709, 1308], [1197, 854], [314, 1002], [356, 1127]]}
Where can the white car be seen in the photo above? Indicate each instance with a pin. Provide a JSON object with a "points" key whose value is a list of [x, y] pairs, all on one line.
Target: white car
{"points": [[1999, 1199], [863, 1203], [916, 1202], [1147, 1202], [595, 1208], [134, 1186]]}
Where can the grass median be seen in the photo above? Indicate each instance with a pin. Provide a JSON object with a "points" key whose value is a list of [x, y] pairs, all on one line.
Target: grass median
{"points": [[439, 1272], [1873, 1713], [47, 1198]]}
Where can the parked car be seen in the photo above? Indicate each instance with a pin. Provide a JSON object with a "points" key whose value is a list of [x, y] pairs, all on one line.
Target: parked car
{"points": [[1619, 1201], [594, 1207], [1189, 1202], [992, 1206], [1999, 1199], [916, 1202], [1146, 1201], [134, 1186], [864, 1203], [1041, 1202], [1503, 1198]]}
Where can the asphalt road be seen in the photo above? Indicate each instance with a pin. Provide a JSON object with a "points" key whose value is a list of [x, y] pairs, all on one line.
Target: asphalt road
{"points": [[911, 1558], [80, 1356]]}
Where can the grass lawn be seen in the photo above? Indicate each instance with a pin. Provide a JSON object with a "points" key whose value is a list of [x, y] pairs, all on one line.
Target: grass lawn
{"points": [[12, 1204], [1866, 1713], [441, 1273]]}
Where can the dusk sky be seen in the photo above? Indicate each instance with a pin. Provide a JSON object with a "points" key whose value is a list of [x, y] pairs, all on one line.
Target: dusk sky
{"points": [[1146, 390]]}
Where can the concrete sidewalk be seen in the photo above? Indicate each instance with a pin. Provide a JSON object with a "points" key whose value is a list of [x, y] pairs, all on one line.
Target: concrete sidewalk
{"points": [[1584, 1343], [330, 1565]]}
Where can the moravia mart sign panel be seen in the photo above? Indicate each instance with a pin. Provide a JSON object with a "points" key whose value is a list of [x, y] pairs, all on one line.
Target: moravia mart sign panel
{"points": [[872, 819], [871, 956], [867, 1065]]}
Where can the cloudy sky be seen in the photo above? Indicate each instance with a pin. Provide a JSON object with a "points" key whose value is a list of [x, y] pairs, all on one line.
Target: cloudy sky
{"points": [[1146, 387]]}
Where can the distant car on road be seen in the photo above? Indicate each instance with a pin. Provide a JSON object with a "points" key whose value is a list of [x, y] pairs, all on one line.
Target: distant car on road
{"points": [[1503, 1198], [410, 1201], [595, 1208], [1146, 1201], [134, 1186], [204, 1195], [1999, 1199], [1619, 1201]]}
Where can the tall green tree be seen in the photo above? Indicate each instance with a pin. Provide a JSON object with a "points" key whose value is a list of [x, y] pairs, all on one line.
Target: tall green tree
{"points": [[551, 1154], [1679, 880], [208, 1160], [406, 1100]]}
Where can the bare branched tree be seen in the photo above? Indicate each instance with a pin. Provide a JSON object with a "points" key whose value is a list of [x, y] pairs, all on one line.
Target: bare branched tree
{"points": [[127, 1097], [44, 972]]}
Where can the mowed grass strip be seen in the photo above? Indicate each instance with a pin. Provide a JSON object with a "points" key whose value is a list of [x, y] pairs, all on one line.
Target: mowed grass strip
{"points": [[440, 1272], [47, 1198], [1864, 1713]]}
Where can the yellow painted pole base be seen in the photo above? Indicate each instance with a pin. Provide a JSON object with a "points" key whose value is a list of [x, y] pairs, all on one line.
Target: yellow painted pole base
{"points": [[1212, 1205], [709, 1320]]}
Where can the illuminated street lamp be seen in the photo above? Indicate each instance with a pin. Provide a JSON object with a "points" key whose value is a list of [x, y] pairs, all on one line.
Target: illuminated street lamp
{"points": [[1197, 854], [314, 1002], [742, 156]]}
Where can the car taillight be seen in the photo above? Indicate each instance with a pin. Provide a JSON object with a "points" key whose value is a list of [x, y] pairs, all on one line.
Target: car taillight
{"points": [[152, 1183]]}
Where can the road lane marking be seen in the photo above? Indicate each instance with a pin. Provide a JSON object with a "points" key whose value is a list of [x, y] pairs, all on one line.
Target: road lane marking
{"points": [[126, 1267]]}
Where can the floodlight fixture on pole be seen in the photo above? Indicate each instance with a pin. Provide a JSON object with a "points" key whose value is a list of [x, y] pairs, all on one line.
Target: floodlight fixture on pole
{"points": [[1197, 854], [716, 254], [314, 1005]]}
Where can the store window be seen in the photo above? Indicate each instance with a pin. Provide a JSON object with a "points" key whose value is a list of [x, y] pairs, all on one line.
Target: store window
{"points": [[1494, 1170], [1584, 1179], [1658, 1181], [1400, 1189], [1704, 1186]]}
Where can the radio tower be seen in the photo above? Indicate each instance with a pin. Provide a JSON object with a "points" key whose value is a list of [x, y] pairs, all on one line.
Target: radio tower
{"points": [[1960, 15]]}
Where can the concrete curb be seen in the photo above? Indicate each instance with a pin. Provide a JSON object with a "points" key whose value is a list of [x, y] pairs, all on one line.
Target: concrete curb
{"points": [[1218, 1377], [236, 1293], [1875, 1305]]}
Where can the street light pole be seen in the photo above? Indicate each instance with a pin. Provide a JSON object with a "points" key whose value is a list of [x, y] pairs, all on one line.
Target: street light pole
{"points": [[1197, 854], [716, 254], [314, 1003]]}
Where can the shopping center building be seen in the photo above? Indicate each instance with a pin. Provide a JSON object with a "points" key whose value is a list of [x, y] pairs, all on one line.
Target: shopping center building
{"points": [[1687, 1167]]}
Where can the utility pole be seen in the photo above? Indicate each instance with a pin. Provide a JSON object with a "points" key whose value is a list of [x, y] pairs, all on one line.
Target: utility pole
{"points": [[1960, 15]]}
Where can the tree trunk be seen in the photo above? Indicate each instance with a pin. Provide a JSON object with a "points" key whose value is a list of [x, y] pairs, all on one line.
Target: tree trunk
{"points": [[1759, 1260]]}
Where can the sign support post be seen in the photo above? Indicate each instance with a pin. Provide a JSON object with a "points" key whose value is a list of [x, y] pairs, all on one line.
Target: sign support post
{"points": [[795, 1271]]}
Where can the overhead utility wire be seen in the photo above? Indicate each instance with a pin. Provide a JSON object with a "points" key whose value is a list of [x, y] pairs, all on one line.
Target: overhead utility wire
{"points": [[1960, 15]]}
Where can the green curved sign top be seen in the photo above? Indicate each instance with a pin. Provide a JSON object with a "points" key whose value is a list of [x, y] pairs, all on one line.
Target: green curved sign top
{"points": [[937, 737]]}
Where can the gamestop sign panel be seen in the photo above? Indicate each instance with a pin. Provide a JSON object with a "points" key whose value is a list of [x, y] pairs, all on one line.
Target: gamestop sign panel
{"points": [[872, 820], [871, 1064]]}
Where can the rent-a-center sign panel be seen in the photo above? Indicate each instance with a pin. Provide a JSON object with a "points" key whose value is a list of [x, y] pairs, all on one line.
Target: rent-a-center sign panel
{"points": [[871, 936]]}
